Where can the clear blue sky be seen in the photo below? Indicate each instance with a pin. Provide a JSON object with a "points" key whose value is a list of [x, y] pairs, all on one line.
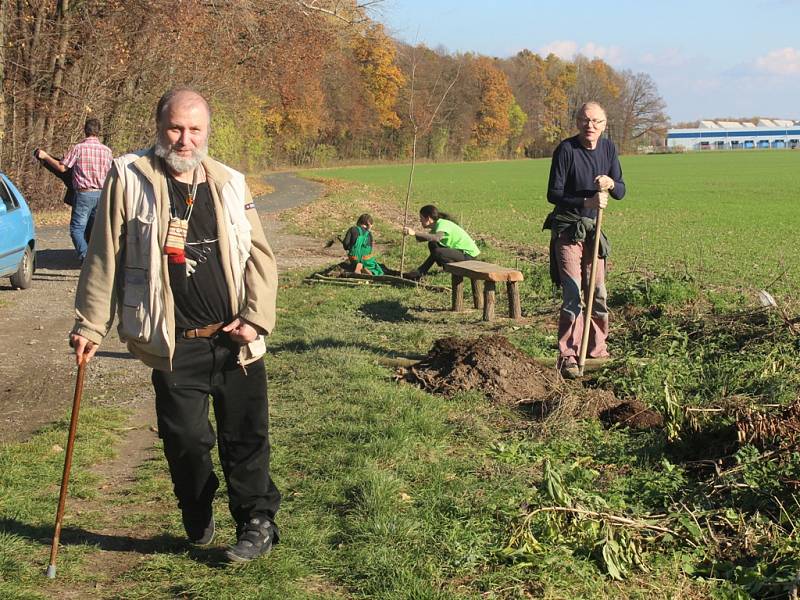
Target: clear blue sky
{"points": [[709, 58]]}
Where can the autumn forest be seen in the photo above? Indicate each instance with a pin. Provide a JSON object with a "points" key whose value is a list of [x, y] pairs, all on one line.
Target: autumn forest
{"points": [[291, 82]]}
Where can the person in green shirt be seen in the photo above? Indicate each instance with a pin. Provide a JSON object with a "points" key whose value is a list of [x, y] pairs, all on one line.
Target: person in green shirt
{"points": [[447, 241], [358, 244]]}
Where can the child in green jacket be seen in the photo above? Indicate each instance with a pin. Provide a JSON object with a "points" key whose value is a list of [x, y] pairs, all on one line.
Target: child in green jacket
{"points": [[358, 244]]}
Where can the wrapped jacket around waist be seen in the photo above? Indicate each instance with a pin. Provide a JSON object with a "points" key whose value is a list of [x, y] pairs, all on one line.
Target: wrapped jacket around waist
{"points": [[579, 229]]}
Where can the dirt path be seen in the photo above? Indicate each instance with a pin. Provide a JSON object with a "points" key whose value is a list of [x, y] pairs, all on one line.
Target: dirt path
{"points": [[36, 367], [37, 374]]}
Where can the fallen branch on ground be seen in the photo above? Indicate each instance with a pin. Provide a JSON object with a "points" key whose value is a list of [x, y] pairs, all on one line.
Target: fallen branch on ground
{"points": [[350, 278], [396, 281], [336, 281], [624, 521]]}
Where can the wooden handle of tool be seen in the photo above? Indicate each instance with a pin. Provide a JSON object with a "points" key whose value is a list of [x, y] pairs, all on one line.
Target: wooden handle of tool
{"points": [[62, 497], [587, 313]]}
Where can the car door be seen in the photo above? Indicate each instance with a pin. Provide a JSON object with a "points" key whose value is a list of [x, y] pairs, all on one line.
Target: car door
{"points": [[13, 230]]}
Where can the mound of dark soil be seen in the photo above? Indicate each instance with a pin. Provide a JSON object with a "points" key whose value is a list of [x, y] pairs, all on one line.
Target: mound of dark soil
{"points": [[631, 414], [495, 367], [490, 364]]}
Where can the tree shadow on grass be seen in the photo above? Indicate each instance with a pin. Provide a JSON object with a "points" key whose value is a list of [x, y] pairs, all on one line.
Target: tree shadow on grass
{"points": [[390, 311], [302, 346], [342, 508], [76, 536]]}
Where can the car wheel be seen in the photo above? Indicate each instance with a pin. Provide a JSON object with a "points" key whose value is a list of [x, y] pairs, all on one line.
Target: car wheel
{"points": [[24, 276]]}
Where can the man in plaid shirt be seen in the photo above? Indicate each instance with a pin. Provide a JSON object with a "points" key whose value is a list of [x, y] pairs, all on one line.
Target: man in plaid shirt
{"points": [[90, 161]]}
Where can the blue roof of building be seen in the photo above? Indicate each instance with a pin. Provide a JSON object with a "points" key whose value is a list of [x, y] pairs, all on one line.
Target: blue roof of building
{"points": [[736, 133]]}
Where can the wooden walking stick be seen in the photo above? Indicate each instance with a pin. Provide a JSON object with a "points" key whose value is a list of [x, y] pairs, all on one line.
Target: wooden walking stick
{"points": [[587, 313], [73, 426]]}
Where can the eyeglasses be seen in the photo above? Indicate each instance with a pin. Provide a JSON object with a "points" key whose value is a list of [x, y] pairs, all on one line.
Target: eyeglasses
{"points": [[595, 122]]}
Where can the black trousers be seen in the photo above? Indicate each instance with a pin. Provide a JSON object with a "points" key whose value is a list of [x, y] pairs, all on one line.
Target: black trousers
{"points": [[441, 256], [204, 367]]}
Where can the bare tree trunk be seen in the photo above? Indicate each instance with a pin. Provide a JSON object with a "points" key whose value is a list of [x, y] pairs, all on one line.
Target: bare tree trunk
{"points": [[3, 16], [29, 54], [58, 60], [14, 120]]}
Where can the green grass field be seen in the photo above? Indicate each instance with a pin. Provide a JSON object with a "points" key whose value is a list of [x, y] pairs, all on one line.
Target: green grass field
{"points": [[393, 493], [726, 218], [388, 492]]}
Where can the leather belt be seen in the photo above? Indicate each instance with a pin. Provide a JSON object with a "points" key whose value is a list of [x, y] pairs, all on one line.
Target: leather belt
{"points": [[200, 332], [89, 190]]}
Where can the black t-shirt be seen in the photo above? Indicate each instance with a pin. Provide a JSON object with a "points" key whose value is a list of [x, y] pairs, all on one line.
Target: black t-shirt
{"points": [[202, 298]]}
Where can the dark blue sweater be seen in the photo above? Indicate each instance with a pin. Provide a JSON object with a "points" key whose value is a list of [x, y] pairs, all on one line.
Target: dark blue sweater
{"points": [[573, 170]]}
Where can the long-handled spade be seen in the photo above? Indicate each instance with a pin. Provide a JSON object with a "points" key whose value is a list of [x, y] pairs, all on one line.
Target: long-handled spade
{"points": [[587, 313], [73, 426]]}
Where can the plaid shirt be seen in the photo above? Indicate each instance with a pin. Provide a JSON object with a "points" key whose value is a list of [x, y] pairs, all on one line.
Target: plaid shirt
{"points": [[90, 161]]}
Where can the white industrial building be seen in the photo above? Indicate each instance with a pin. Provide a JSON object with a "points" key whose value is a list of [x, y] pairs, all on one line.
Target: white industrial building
{"points": [[732, 135]]}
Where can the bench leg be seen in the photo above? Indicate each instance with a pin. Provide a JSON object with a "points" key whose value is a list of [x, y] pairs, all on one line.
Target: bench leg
{"points": [[514, 308], [477, 293], [488, 300], [458, 293]]}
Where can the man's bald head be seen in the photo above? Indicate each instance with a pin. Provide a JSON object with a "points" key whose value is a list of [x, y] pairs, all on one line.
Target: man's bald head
{"points": [[592, 104], [183, 121], [180, 96], [591, 122]]}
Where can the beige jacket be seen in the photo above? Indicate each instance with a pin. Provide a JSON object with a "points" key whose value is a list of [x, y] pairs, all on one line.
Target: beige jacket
{"points": [[125, 271]]}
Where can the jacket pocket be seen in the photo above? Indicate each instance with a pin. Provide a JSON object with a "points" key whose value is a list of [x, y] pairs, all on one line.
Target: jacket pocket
{"points": [[139, 241], [135, 314]]}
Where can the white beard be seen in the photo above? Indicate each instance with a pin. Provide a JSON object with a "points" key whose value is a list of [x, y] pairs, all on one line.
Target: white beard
{"points": [[177, 163]]}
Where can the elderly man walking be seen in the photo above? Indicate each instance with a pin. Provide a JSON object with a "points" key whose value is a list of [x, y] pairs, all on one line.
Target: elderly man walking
{"points": [[90, 161], [179, 249], [585, 169]]}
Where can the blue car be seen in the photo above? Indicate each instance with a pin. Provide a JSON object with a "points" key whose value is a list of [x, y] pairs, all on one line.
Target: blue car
{"points": [[17, 236]]}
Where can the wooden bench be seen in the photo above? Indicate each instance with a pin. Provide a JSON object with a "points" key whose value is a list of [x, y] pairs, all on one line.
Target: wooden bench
{"points": [[490, 274]]}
